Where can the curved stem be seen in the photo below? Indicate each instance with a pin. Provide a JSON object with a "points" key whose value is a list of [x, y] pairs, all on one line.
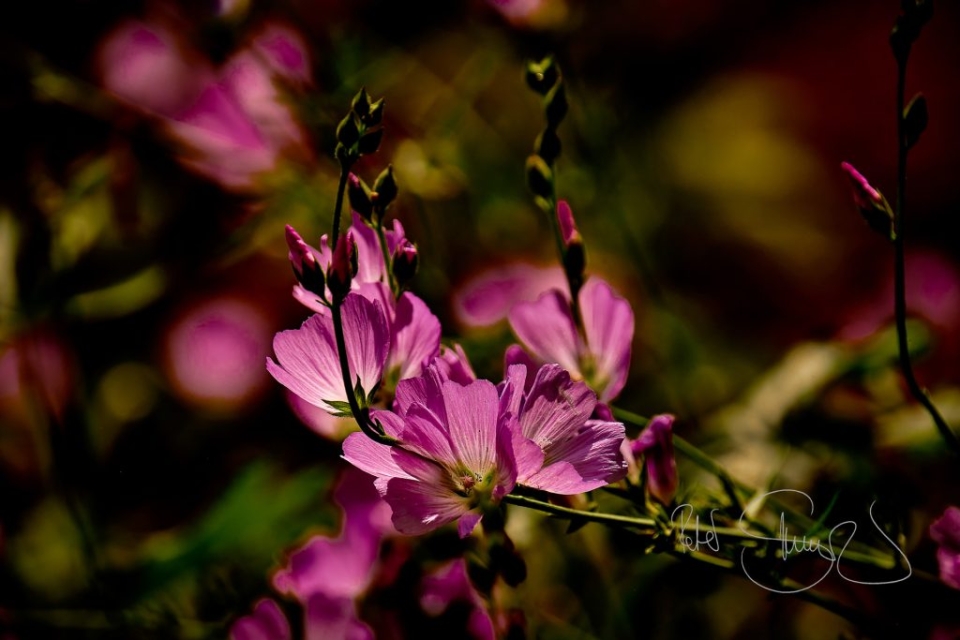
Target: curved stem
{"points": [[899, 271], [648, 525]]}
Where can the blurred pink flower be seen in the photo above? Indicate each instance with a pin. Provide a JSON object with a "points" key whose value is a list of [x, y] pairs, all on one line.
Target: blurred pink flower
{"points": [[558, 448], [946, 533], [267, 622], [456, 459], [308, 363], [327, 575], [488, 297], [450, 584], [231, 120], [601, 357], [214, 350], [35, 367]]}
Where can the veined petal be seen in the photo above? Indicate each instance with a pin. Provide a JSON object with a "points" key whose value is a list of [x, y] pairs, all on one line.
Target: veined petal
{"points": [[514, 355], [371, 457], [547, 329], [420, 507], [370, 266], [555, 408], [307, 362], [367, 339], [424, 390], [593, 454], [472, 421], [508, 456], [454, 365], [608, 324], [425, 434], [511, 389], [468, 522], [416, 336]]}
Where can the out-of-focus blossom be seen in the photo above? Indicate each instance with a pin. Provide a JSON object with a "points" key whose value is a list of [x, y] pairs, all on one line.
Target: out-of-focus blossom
{"points": [[35, 367], [267, 622], [231, 120], [547, 329], [559, 449], [308, 363], [655, 444], [213, 353], [450, 584], [488, 297], [946, 533], [327, 575], [456, 459]]}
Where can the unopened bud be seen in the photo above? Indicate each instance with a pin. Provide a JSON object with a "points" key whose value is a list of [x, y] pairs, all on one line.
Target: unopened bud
{"points": [[370, 142], [539, 177], [548, 145], [375, 116], [574, 256], [386, 188], [405, 262], [304, 263], [359, 195], [655, 444], [343, 267], [347, 131], [541, 76], [361, 103], [872, 205], [556, 105]]}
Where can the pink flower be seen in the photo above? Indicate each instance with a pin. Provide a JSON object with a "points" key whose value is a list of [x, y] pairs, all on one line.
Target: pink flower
{"points": [[267, 622], [655, 444], [456, 458], [946, 533], [547, 329], [559, 449], [326, 575], [488, 297], [307, 359], [451, 585], [231, 121]]}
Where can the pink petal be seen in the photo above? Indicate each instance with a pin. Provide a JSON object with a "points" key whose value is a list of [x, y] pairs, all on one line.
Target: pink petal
{"points": [[424, 390], [488, 297], [416, 336], [608, 324], [593, 454], [454, 365], [332, 617], [515, 355], [555, 408], [546, 328], [285, 52], [372, 457], [472, 421], [468, 522], [267, 622], [307, 362], [512, 388], [507, 456], [419, 507], [367, 339], [425, 434]]}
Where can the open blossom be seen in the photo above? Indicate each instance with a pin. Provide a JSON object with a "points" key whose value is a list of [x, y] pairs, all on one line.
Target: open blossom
{"points": [[464, 446], [946, 533], [601, 357], [307, 359], [560, 449], [456, 457]]}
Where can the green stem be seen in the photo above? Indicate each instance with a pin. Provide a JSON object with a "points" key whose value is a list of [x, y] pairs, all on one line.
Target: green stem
{"points": [[647, 525], [382, 238], [899, 270], [341, 188]]}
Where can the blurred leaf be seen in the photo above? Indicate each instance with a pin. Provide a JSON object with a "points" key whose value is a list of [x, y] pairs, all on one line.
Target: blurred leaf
{"points": [[123, 298]]}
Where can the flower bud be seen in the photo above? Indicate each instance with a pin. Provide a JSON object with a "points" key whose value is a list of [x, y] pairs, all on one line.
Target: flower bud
{"points": [[370, 142], [359, 195], [405, 262], [574, 256], [304, 263], [548, 145], [386, 188], [375, 116], [347, 131], [361, 103], [556, 105], [539, 177], [541, 76], [343, 267], [872, 205], [655, 443], [915, 119]]}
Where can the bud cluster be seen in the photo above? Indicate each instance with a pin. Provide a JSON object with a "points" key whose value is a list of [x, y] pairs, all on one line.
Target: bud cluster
{"points": [[916, 13], [360, 133], [545, 79]]}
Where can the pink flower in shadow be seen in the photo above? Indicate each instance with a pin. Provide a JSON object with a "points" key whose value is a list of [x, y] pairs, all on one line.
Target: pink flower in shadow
{"points": [[450, 584], [267, 622], [601, 357], [488, 297], [946, 533]]}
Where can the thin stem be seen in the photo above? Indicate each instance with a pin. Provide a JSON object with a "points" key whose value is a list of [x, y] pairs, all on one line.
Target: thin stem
{"points": [[382, 238], [647, 524], [899, 271], [341, 188]]}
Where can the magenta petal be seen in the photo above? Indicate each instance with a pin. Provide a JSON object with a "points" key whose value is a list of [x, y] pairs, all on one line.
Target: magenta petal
{"points": [[593, 455], [285, 52], [307, 362], [555, 408], [424, 390], [515, 355], [454, 365], [368, 339], [472, 421], [656, 445], [267, 622], [424, 434], [547, 329], [488, 297], [420, 507], [333, 617], [372, 457], [511, 389], [468, 522], [608, 324], [416, 336]]}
